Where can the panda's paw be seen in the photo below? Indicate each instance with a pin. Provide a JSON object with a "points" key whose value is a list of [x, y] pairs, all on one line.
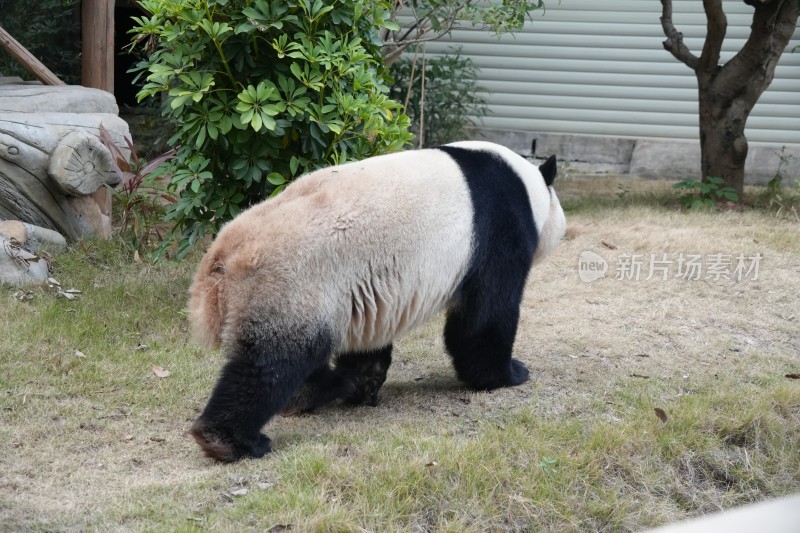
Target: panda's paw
{"points": [[519, 373], [222, 445], [366, 393], [262, 446]]}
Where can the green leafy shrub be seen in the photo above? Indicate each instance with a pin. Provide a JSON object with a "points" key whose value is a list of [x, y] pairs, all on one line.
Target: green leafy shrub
{"points": [[705, 193], [450, 98], [263, 92]]}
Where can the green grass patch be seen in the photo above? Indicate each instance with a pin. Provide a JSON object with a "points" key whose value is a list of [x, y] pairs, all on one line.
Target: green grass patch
{"points": [[92, 439], [527, 472]]}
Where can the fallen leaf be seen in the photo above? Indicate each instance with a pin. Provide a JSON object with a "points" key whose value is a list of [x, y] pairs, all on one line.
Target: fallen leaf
{"points": [[793, 376], [127, 437], [161, 372], [80, 354], [136, 258], [239, 492], [343, 451], [661, 414], [53, 281]]}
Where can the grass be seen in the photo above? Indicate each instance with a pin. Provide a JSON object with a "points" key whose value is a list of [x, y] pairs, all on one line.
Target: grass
{"points": [[91, 439]]}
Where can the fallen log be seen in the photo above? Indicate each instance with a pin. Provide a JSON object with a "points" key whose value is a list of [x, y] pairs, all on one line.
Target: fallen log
{"points": [[51, 166]]}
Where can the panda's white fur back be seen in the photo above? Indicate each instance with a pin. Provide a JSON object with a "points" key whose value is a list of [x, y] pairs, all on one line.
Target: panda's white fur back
{"points": [[390, 279], [369, 249]]}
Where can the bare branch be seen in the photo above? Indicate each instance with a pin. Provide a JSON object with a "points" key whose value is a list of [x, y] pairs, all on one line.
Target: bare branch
{"points": [[674, 43], [422, 102], [393, 50], [410, 82], [716, 27], [396, 7], [772, 29]]}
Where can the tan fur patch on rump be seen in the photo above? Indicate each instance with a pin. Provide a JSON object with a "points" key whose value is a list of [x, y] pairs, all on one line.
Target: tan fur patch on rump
{"points": [[207, 302]]}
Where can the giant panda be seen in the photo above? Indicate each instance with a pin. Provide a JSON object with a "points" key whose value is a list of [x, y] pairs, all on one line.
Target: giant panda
{"points": [[307, 291]]}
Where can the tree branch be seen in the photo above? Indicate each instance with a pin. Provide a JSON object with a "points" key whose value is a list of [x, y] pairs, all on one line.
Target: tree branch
{"points": [[716, 27], [393, 50], [674, 43], [773, 26]]}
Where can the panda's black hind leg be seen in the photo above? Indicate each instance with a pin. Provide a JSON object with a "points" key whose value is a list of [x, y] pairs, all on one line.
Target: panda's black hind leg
{"points": [[258, 381], [325, 385], [371, 368], [480, 339]]}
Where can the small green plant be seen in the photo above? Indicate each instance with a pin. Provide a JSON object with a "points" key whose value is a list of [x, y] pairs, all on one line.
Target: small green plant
{"points": [[139, 197], [705, 193], [780, 194], [263, 92], [776, 183], [548, 465], [440, 95]]}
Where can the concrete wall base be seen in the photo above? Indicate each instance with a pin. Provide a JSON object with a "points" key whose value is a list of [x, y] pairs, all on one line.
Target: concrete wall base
{"points": [[673, 159]]}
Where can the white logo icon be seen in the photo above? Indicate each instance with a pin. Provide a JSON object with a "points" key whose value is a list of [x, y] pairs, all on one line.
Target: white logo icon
{"points": [[591, 266]]}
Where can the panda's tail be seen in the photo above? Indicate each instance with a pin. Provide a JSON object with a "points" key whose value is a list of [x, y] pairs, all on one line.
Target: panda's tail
{"points": [[208, 306]]}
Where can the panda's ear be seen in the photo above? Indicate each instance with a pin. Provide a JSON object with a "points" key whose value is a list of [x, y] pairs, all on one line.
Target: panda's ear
{"points": [[548, 170]]}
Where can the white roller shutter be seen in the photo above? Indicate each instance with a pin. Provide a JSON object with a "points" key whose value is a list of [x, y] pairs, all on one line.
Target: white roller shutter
{"points": [[599, 68]]}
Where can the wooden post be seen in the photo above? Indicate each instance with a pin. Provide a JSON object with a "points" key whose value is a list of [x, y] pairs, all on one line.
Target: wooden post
{"points": [[97, 62], [27, 60], [97, 44]]}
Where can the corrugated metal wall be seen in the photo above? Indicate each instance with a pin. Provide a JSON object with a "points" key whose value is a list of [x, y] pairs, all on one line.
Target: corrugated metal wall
{"points": [[599, 68]]}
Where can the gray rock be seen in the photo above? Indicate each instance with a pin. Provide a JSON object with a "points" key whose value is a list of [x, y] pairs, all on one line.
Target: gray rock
{"points": [[18, 266]]}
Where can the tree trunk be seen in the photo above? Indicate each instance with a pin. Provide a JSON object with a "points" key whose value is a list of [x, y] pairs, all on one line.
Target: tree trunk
{"points": [[728, 92], [723, 144]]}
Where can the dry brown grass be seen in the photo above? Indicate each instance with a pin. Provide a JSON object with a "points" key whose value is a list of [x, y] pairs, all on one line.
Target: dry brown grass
{"points": [[98, 442]]}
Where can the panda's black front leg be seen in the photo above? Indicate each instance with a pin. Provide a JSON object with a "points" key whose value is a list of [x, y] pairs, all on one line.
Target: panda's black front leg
{"points": [[254, 385], [479, 335], [371, 368]]}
